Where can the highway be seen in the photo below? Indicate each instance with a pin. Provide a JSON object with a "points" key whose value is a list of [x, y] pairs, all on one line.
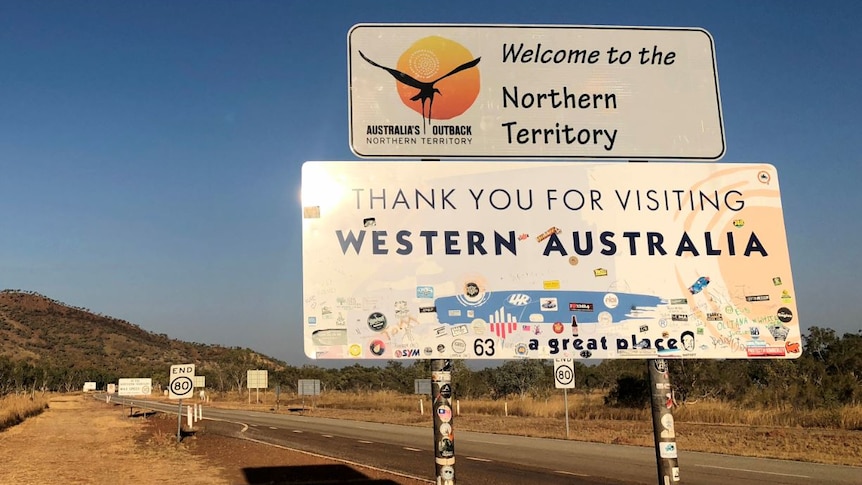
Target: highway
{"points": [[485, 458]]}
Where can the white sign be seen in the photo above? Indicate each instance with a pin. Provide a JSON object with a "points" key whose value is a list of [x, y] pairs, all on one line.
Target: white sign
{"points": [[134, 386], [181, 385], [529, 91], [257, 379], [112, 388], [199, 381], [564, 373], [308, 387], [89, 386], [478, 260]]}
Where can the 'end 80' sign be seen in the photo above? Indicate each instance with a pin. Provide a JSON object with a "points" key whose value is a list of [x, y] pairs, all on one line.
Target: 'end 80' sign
{"points": [[182, 381]]}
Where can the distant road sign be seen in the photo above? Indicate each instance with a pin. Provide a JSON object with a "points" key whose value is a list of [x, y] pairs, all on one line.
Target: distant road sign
{"points": [[564, 373], [181, 385], [308, 387], [533, 91], [134, 386], [257, 379]]}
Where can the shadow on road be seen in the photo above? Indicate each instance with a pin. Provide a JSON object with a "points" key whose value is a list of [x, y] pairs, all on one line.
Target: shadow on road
{"points": [[309, 475]]}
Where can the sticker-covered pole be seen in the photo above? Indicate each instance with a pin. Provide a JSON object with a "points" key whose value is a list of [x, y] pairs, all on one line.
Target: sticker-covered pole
{"points": [[444, 440], [662, 422]]}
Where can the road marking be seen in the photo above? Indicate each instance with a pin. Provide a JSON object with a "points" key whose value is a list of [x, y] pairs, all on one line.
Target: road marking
{"points": [[561, 472], [754, 471], [297, 431], [326, 435], [411, 449], [272, 427], [476, 459], [366, 442]]}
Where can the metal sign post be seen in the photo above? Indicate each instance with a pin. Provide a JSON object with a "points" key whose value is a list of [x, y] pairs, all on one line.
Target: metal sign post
{"points": [[444, 440], [662, 422]]}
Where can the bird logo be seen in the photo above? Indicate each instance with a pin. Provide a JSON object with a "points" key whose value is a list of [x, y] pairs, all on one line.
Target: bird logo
{"points": [[443, 71]]}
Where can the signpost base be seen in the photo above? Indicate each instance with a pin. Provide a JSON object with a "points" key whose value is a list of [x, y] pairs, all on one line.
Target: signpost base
{"points": [[444, 441], [662, 422]]}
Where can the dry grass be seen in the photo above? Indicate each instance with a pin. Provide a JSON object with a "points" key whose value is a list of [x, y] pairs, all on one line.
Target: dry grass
{"points": [[16, 408], [821, 436]]}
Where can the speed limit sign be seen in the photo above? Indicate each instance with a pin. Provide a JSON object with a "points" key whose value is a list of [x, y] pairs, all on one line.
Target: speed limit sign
{"points": [[182, 384], [564, 373]]}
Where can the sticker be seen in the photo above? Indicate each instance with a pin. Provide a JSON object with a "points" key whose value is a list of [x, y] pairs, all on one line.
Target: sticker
{"points": [[699, 285], [792, 347], [424, 292], [667, 450], [573, 260], [441, 348], [548, 304], [447, 473], [545, 235], [369, 222], [459, 330], [518, 299], [551, 284], [605, 318], [738, 223], [754, 298], [445, 447], [521, 349], [581, 307], [611, 300], [377, 347], [355, 350], [459, 346], [446, 429], [586, 354], [600, 272], [776, 281], [311, 212], [675, 473], [559, 327], [444, 412], [446, 391], [377, 321], [444, 461], [784, 314]]}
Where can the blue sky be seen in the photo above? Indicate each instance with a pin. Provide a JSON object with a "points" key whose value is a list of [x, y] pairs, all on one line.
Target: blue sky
{"points": [[151, 151]]}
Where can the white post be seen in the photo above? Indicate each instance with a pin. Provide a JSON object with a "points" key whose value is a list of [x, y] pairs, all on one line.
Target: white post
{"points": [[189, 416], [458, 407], [201, 412], [421, 407], [506, 407]]}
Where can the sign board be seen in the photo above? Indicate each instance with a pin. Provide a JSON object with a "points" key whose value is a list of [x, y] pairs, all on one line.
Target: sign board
{"points": [[181, 385], [477, 260], [533, 91], [199, 381], [422, 386], [134, 386], [564, 373], [257, 379], [89, 386], [308, 387], [112, 388]]}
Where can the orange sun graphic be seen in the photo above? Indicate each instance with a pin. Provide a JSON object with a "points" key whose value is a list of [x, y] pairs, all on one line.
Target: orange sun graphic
{"points": [[433, 60]]}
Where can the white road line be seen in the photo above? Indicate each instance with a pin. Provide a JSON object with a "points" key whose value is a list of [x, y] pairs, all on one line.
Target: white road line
{"points": [[411, 449], [298, 431], [326, 435], [754, 471], [272, 427], [561, 472], [366, 442], [476, 459]]}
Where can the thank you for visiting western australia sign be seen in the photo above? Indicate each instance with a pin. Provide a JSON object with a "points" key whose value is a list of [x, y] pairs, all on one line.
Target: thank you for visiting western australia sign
{"points": [[545, 259], [491, 91]]}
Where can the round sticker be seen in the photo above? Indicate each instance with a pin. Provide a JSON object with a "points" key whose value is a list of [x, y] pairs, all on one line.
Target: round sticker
{"points": [[445, 413], [573, 260], [377, 347], [784, 314], [377, 321], [355, 350], [611, 301], [446, 429], [447, 472], [459, 346]]}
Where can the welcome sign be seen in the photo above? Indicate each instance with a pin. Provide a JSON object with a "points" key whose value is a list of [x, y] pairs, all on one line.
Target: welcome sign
{"points": [[501, 260], [503, 91]]}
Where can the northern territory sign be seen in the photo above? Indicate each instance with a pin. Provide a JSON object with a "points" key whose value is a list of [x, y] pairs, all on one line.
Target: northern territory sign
{"points": [[479, 260], [504, 91]]}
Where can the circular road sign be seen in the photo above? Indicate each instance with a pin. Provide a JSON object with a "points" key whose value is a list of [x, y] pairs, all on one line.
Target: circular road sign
{"points": [[182, 386], [564, 374]]}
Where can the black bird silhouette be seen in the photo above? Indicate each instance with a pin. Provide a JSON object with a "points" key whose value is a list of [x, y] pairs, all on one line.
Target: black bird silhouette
{"points": [[426, 89]]}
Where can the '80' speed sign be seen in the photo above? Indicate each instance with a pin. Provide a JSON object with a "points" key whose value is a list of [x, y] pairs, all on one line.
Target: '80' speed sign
{"points": [[182, 383]]}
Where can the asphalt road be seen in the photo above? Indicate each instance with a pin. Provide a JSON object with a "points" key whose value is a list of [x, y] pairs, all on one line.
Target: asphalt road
{"points": [[485, 458]]}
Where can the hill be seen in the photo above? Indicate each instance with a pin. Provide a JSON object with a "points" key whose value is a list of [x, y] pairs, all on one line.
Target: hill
{"points": [[48, 334]]}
